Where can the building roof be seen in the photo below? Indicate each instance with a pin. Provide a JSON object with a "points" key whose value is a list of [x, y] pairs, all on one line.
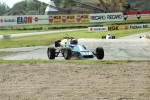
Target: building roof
{"points": [[15, 10]]}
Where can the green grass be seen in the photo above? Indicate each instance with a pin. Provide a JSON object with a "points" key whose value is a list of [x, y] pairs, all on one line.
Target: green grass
{"points": [[77, 62], [44, 40], [3, 32]]}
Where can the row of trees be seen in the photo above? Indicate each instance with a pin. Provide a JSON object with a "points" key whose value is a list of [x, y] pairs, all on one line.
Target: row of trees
{"points": [[28, 6], [3, 8]]}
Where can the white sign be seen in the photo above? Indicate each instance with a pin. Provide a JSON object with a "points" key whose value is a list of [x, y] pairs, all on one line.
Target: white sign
{"points": [[97, 29], [23, 20], [105, 17], [137, 26]]}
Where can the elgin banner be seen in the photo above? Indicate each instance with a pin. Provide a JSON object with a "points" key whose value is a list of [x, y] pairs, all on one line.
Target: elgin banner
{"points": [[140, 15], [71, 18]]}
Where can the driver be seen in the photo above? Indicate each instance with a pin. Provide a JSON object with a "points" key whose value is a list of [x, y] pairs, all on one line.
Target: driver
{"points": [[108, 36]]}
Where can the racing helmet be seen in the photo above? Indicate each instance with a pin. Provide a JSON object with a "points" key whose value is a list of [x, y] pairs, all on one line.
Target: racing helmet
{"points": [[74, 41], [65, 37], [108, 34]]}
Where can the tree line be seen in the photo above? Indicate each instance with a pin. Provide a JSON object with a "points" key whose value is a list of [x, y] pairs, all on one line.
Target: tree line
{"points": [[39, 8], [27, 6]]}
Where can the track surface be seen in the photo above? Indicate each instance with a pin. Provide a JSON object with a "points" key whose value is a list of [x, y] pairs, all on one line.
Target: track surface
{"points": [[115, 49]]}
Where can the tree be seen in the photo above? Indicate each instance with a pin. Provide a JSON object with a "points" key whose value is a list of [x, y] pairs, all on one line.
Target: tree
{"points": [[29, 6], [3, 8]]}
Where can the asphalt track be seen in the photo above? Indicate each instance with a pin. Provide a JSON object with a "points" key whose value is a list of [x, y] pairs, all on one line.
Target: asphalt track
{"points": [[126, 48]]}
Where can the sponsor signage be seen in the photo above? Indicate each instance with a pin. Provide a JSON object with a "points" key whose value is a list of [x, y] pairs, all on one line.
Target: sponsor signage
{"points": [[72, 18], [137, 26], [40, 19], [97, 29], [55, 19], [141, 15], [105, 17], [83, 18], [35, 19], [123, 27], [1, 20], [23, 20], [118, 27], [8, 20]]}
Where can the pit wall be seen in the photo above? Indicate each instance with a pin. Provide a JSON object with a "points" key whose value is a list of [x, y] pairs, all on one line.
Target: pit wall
{"points": [[73, 18]]}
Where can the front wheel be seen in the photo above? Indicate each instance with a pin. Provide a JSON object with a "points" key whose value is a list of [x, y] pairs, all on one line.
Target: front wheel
{"points": [[57, 43], [99, 53], [67, 53], [103, 37], [113, 37], [51, 53]]}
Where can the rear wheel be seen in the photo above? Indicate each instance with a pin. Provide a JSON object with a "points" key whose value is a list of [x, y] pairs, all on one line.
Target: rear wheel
{"points": [[99, 53], [51, 53], [113, 37], [67, 53]]}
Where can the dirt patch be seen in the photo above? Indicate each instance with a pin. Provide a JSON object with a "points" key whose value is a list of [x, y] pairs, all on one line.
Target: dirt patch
{"points": [[66, 81]]}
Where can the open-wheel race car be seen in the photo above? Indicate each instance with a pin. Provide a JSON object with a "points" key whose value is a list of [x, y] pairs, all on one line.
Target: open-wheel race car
{"points": [[69, 48], [108, 36]]}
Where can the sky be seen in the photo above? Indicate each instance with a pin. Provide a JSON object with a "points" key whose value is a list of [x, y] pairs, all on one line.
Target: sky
{"points": [[10, 3]]}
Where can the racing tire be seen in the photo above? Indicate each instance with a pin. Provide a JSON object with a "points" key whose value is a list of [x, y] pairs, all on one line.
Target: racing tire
{"points": [[51, 53], [57, 43], [103, 37], [113, 37], [67, 53], [99, 53], [140, 37]]}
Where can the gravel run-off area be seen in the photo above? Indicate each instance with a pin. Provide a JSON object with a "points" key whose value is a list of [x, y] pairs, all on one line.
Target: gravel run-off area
{"points": [[70, 81]]}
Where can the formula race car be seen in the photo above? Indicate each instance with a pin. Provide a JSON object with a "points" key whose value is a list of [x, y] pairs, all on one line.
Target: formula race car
{"points": [[69, 48], [108, 36], [145, 36]]}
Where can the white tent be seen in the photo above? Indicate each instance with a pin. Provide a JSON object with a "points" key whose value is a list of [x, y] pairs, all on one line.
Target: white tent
{"points": [[51, 10]]}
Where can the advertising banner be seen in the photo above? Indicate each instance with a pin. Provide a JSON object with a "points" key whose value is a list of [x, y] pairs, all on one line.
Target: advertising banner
{"points": [[124, 27], [141, 15], [137, 26], [71, 18], [118, 27], [97, 29], [8, 20], [32, 19], [23, 20], [105, 17]]}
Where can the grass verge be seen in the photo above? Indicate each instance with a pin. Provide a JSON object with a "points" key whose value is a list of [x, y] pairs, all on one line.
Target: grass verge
{"points": [[48, 39]]}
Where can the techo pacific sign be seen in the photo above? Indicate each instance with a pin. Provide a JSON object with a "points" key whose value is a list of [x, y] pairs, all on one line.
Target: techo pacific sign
{"points": [[105, 17]]}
